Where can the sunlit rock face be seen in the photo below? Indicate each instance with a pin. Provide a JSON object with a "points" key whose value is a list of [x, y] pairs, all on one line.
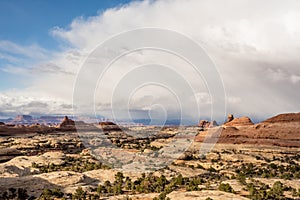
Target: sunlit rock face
{"points": [[242, 121], [284, 118]]}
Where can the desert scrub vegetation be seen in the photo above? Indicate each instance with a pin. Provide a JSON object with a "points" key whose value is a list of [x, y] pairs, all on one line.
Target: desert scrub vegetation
{"points": [[226, 187], [15, 193], [261, 191], [148, 184], [269, 170], [49, 194], [71, 164], [157, 184]]}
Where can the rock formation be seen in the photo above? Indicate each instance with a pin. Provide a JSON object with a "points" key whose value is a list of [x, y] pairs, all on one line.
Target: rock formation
{"points": [[242, 121], [203, 123], [229, 118], [280, 130], [207, 124], [8, 153], [284, 118], [109, 126], [67, 124], [22, 119]]}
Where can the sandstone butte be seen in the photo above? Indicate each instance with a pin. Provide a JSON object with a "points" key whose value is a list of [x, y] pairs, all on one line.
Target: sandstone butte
{"points": [[280, 130], [284, 118], [242, 121]]}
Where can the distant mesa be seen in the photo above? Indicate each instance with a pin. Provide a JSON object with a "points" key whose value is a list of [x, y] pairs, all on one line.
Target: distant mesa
{"points": [[109, 126], [284, 118], [22, 119], [50, 119], [21, 128], [207, 124], [29, 120], [67, 124], [242, 121]]}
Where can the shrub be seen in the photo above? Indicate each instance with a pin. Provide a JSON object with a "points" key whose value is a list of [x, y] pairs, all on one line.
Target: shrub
{"points": [[226, 187]]}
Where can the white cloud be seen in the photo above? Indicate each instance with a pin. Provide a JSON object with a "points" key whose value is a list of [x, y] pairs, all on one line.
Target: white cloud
{"points": [[234, 100], [16, 102], [32, 51], [278, 75], [295, 78], [255, 44]]}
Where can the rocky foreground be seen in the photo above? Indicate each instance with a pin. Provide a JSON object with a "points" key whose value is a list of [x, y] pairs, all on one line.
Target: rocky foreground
{"points": [[249, 161]]}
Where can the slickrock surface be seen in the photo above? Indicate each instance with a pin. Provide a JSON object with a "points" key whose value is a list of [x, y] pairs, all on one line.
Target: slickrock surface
{"points": [[284, 118], [202, 195], [21, 165], [8, 153]]}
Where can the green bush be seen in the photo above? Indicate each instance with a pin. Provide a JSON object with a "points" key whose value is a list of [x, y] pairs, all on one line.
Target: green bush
{"points": [[226, 187]]}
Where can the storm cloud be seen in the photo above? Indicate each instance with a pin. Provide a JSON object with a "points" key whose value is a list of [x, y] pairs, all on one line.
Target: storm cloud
{"points": [[254, 44]]}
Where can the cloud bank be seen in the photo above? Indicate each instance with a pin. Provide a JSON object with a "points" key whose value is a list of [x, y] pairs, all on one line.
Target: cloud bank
{"points": [[254, 44]]}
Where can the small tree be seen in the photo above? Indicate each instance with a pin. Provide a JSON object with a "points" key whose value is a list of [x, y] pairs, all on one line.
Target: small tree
{"points": [[276, 192], [22, 194], [226, 187], [79, 194]]}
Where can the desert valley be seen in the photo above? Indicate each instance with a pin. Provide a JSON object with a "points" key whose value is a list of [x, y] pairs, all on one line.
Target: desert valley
{"points": [[249, 161]]}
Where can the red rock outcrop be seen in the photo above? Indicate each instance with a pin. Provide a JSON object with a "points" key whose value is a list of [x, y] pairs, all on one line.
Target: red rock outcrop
{"points": [[207, 124], [284, 118], [109, 126], [229, 118], [67, 124], [242, 121], [14, 130], [281, 130]]}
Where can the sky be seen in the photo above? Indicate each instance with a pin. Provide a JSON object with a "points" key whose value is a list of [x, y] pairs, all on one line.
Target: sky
{"points": [[254, 45], [29, 23]]}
